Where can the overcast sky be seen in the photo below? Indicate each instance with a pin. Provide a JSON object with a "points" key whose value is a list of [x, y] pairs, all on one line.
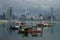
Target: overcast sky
{"points": [[33, 6]]}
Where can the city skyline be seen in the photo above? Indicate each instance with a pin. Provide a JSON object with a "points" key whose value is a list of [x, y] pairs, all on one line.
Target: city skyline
{"points": [[33, 6]]}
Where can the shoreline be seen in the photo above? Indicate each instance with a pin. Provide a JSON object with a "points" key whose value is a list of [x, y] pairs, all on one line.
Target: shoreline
{"points": [[5, 21]]}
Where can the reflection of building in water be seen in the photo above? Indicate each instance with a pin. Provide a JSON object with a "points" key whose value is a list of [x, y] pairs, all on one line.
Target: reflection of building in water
{"points": [[9, 16]]}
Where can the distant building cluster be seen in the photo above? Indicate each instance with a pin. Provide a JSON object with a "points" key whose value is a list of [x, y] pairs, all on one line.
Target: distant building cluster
{"points": [[8, 15], [40, 17]]}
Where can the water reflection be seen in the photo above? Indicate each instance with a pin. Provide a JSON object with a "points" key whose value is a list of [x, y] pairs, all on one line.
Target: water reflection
{"points": [[8, 34], [25, 34]]}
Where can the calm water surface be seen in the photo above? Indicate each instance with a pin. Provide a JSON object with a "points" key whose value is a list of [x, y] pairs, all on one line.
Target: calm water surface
{"points": [[48, 34]]}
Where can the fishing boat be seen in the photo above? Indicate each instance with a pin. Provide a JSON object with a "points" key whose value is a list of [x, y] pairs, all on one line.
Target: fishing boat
{"points": [[31, 31], [44, 24], [18, 25]]}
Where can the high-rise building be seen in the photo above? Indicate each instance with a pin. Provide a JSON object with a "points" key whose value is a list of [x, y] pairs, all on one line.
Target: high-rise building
{"points": [[52, 15], [4, 16], [9, 13]]}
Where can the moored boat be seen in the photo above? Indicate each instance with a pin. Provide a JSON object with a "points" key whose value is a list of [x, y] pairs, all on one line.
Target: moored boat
{"points": [[18, 25], [44, 24]]}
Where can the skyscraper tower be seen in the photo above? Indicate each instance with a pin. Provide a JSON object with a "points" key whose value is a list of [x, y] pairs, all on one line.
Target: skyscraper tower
{"points": [[27, 13], [9, 13], [51, 14], [51, 10], [4, 16]]}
